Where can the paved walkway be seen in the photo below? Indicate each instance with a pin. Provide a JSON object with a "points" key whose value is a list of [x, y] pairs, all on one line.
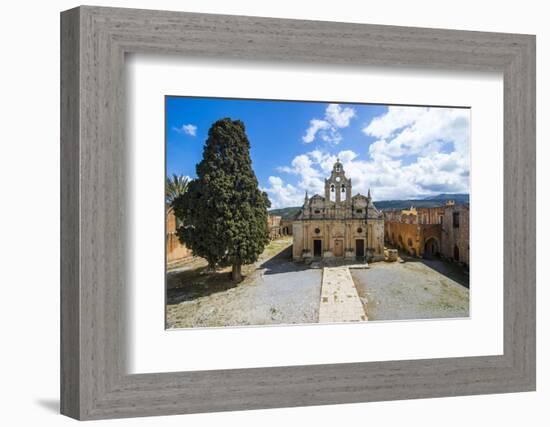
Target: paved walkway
{"points": [[339, 299]]}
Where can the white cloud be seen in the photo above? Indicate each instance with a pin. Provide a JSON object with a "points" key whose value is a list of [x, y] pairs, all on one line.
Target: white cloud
{"points": [[397, 117], [440, 173], [406, 131], [418, 152], [282, 195], [339, 116], [346, 156], [336, 118], [310, 178], [387, 177], [188, 129], [314, 126]]}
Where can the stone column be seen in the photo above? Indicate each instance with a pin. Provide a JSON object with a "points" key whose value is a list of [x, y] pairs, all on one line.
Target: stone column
{"points": [[370, 243]]}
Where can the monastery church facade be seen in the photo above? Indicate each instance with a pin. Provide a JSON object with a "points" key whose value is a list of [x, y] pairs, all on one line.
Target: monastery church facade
{"points": [[338, 225]]}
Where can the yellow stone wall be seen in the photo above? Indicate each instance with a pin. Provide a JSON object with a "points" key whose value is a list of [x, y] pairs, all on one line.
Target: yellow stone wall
{"points": [[175, 250]]}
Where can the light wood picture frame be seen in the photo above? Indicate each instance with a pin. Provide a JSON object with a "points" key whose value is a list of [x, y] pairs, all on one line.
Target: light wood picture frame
{"points": [[94, 42]]}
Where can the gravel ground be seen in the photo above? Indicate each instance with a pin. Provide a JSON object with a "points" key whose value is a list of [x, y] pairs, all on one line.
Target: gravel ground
{"points": [[411, 290], [278, 291]]}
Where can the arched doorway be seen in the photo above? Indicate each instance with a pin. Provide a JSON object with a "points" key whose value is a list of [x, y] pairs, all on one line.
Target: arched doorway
{"points": [[431, 247], [456, 253]]}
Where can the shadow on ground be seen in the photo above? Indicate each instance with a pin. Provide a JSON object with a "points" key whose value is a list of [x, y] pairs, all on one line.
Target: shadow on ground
{"points": [[193, 283], [282, 263], [190, 285], [446, 268]]}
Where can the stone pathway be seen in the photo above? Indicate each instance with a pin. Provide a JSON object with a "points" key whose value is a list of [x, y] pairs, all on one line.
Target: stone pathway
{"points": [[339, 299]]}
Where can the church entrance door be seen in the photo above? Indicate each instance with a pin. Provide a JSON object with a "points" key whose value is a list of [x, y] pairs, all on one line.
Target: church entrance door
{"points": [[359, 248], [317, 247], [338, 248]]}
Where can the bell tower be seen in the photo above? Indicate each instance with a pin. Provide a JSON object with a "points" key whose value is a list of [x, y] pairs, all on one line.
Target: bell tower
{"points": [[337, 186]]}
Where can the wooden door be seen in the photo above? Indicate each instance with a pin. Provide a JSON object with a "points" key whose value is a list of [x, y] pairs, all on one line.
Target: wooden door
{"points": [[338, 248], [360, 248]]}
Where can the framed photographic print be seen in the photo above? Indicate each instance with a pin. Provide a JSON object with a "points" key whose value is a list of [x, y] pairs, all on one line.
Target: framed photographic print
{"points": [[319, 259], [261, 213]]}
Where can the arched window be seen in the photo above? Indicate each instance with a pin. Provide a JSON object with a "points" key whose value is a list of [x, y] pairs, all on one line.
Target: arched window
{"points": [[344, 192]]}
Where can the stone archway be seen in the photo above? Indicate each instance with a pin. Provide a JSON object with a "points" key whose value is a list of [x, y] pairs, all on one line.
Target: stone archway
{"points": [[431, 247]]}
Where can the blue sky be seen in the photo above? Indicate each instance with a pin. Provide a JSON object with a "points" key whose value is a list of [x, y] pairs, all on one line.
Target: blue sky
{"points": [[398, 152]]}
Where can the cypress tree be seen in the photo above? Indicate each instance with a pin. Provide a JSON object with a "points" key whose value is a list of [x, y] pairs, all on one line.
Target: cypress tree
{"points": [[224, 210]]}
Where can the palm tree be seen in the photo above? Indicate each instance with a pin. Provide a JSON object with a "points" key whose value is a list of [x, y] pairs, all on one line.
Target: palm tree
{"points": [[175, 187]]}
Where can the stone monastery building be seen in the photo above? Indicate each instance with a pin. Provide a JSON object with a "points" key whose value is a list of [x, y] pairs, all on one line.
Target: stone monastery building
{"points": [[338, 225]]}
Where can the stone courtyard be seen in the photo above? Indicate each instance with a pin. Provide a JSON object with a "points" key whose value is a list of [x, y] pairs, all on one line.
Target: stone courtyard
{"points": [[409, 290], [277, 290]]}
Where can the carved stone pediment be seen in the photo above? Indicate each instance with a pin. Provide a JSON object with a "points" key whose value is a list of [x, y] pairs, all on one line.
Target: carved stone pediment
{"points": [[338, 230]]}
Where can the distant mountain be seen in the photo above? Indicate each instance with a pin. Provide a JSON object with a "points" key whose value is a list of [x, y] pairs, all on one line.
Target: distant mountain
{"points": [[458, 198], [285, 213], [428, 202]]}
